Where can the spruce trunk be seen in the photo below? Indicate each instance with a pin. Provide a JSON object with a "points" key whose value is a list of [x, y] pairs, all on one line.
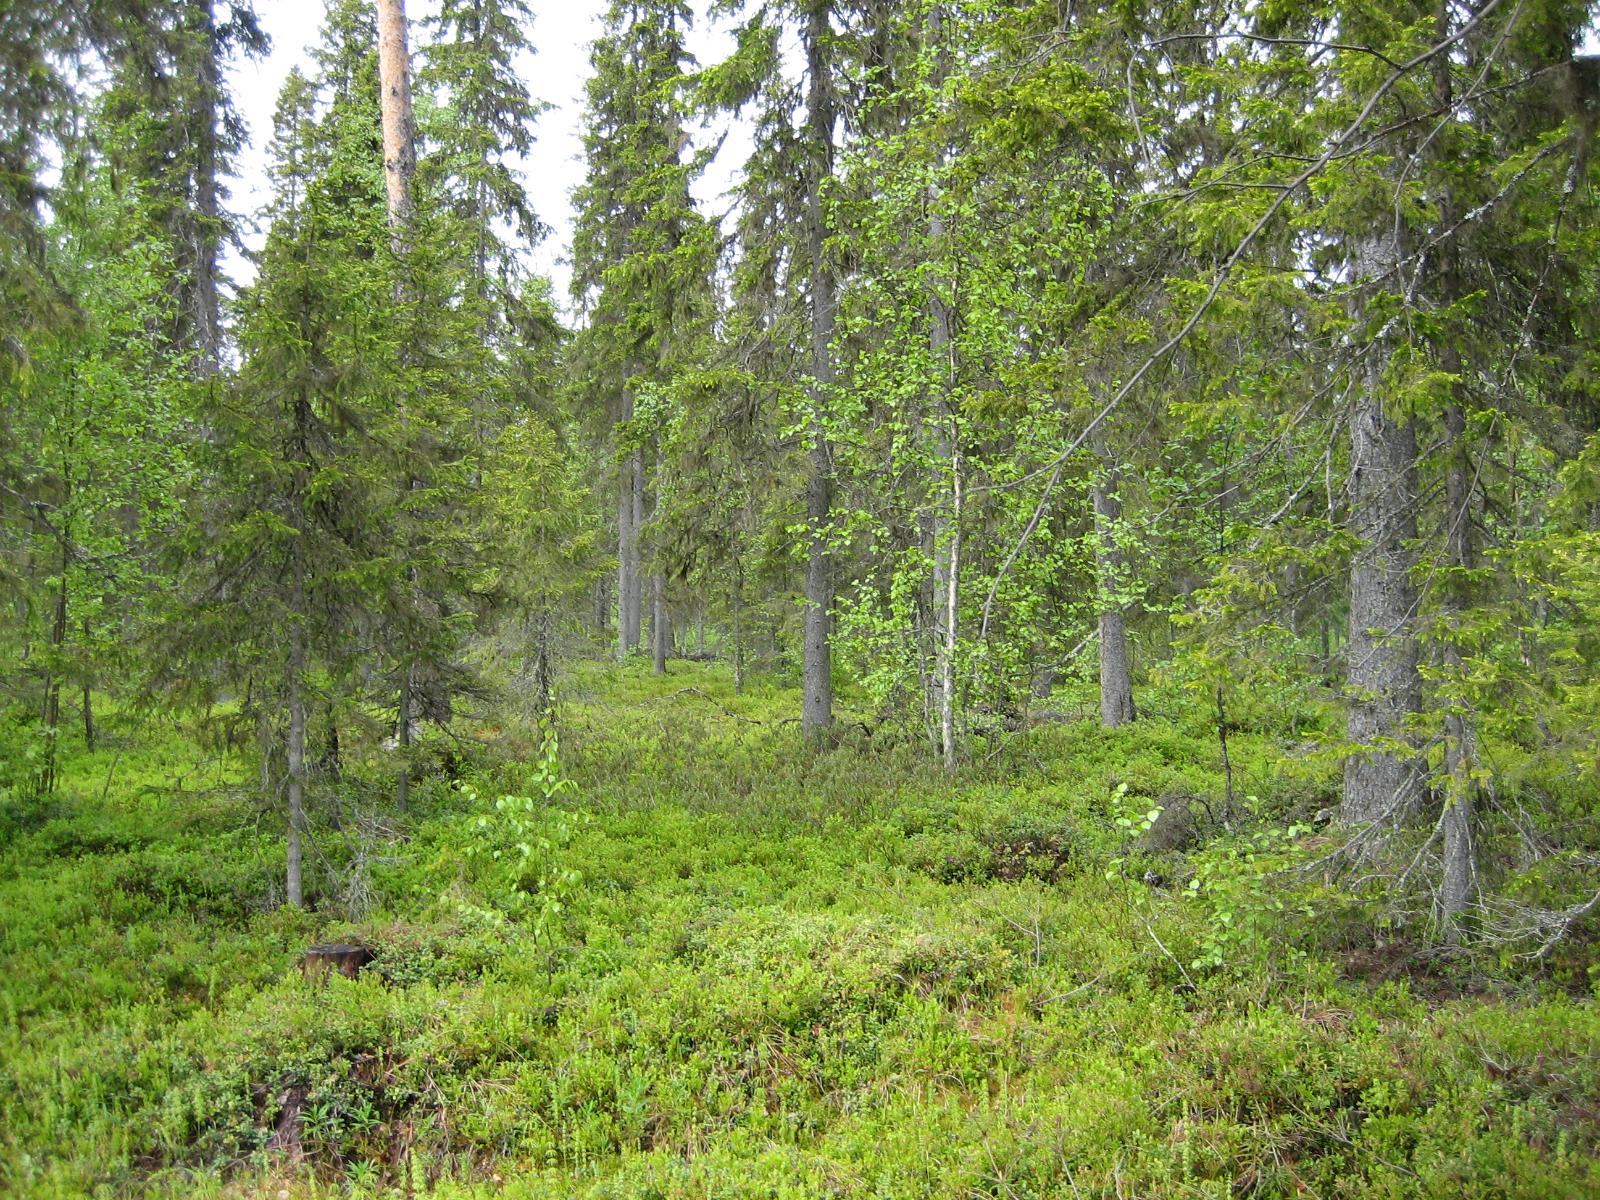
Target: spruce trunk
{"points": [[1381, 777]]}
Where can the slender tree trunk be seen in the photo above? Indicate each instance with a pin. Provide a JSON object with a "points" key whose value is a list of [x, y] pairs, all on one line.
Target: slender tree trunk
{"points": [[404, 720], [88, 699], [264, 747], [1116, 675], [626, 555], [52, 680], [1459, 877], [944, 530], [947, 656], [207, 225], [543, 663], [1381, 778], [736, 603], [817, 649], [602, 605], [296, 749], [633, 606]]}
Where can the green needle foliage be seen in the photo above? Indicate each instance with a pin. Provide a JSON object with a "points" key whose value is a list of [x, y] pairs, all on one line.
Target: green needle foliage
{"points": [[1111, 497]]}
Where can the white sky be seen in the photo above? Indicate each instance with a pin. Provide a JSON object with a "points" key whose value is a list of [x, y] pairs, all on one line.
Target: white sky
{"points": [[561, 33]]}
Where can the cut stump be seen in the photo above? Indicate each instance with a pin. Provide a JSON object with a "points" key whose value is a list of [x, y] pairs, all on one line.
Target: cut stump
{"points": [[345, 958]]}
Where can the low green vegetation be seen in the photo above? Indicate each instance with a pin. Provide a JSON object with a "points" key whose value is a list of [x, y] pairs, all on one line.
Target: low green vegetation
{"points": [[686, 955]]}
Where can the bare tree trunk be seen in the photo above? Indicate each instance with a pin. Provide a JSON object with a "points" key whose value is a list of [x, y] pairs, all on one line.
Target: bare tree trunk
{"points": [[88, 700], [627, 556], [660, 627], [404, 721], [264, 747], [399, 125], [602, 605], [1459, 879], [944, 532], [399, 168], [52, 680], [296, 749], [208, 225], [947, 656], [635, 600], [1381, 778], [1116, 675], [736, 602], [817, 650]]}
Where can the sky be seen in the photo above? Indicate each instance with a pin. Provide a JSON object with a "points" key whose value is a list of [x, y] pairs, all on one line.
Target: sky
{"points": [[561, 33]]}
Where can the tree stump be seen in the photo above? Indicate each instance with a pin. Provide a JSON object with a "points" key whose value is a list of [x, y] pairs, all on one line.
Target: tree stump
{"points": [[347, 959]]}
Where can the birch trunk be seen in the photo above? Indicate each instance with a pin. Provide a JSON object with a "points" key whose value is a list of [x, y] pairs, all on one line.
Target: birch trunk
{"points": [[817, 651]]}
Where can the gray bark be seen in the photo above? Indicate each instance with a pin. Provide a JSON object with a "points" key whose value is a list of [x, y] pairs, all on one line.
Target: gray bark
{"points": [[296, 749], [1382, 779], [817, 651], [636, 572], [630, 523], [1459, 880], [660, 625], [207, 229], [626, 552], [1460, 858], [736, 603]]}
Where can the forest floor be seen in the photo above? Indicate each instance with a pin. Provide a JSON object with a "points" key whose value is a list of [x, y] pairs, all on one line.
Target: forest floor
{"points": [[721, 964]]}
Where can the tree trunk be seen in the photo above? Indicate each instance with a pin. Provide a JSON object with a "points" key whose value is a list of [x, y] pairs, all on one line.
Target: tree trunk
{"points": [[1461, 557], [399, 125], [404, 720], [947, 653], [944, 529], [660, 627], [736, 603], [296, 749], [52, 680], [1381, 778], [207, 227], [543, 663], [817, 649], [1460, 872], [1116, 676], [399, 167], [602, 604], [627, 549], [632, 613], [88, 699]]}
